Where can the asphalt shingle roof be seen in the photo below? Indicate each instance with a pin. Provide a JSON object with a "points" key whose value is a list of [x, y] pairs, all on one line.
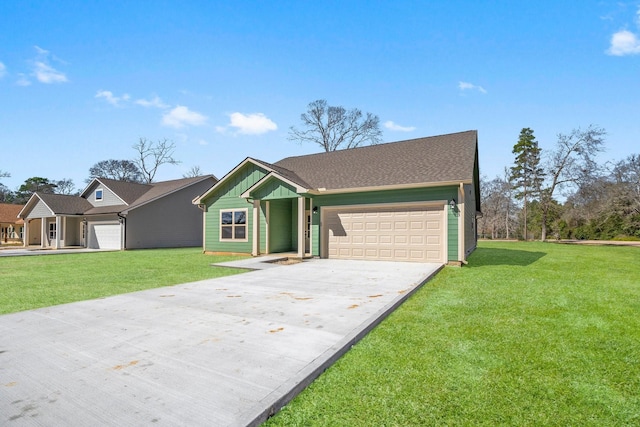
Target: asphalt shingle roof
{"points": [[133, 194], [444, 158], [64, 204], [9, 213]]}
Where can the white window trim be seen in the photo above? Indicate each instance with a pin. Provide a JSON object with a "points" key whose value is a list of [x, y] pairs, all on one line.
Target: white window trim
{"points": [[101, 193], [245, 225], [53, 230]]}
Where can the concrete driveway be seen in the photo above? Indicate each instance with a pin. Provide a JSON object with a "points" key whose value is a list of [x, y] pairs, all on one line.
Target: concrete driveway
{"points": [[220, 352]]}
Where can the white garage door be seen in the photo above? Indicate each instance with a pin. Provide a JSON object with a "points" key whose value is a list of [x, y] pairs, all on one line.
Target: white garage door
{"points": [[104, 236], [393, 234]]}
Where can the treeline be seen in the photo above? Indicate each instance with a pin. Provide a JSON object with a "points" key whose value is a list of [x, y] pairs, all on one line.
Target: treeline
{"points": [[563, 193], [150, 155]]}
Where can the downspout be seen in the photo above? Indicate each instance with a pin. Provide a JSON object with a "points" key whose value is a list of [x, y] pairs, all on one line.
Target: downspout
{"points": [[203, 208], [123, 221]]}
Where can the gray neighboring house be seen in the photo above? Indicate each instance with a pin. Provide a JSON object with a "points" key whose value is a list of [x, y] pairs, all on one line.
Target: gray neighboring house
{"points": [[111, 214]]}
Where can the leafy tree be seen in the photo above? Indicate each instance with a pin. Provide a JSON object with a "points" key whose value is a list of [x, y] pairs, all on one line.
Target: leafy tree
{"points": [[121, 170], [32, 185], [335, 128], [571, 162], [526, 174], [152, 155]]}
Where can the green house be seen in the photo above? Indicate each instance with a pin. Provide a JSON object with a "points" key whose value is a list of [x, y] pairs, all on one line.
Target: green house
{"points": [[414, 200]]}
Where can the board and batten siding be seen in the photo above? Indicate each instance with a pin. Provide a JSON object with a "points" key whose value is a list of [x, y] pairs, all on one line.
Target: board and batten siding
{"points": [[227, 196], [274, 189], [391, 196], [469, 219]]}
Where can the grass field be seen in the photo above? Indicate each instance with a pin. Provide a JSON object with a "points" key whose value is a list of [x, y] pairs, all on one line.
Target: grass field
{"points": [[529, 334], [29, 282]]}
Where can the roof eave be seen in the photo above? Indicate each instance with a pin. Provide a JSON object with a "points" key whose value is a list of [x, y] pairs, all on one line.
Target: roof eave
{"points": [[135, 206], [321, 191]]}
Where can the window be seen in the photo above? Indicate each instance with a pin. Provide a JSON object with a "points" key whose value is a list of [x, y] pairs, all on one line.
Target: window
{"points": [[52, 231], [98, 195], [233, 225]]}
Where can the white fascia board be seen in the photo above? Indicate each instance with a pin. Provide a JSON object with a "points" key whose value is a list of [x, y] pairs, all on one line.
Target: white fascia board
{"points": [[277, 176], [198, 200], [28, 208]]}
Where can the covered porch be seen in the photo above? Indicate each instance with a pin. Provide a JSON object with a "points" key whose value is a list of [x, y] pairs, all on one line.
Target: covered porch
{"points": [[282, 218], [54, 232]]}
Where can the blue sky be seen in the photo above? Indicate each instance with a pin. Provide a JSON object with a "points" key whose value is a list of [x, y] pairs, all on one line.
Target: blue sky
{"points": [[81, 82]]}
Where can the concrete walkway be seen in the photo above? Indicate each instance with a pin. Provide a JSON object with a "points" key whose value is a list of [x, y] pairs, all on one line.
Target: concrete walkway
{"points": [[220, 352]]}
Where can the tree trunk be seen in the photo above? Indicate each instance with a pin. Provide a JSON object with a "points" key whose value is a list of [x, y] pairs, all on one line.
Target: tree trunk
{"points": [[525, 217], [543, 233]]}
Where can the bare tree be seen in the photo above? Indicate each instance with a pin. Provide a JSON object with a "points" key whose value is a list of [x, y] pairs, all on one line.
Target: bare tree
{"points": [[66, 186], [573, 160], [152, 155], [497, 208], [121, 170], [193, 172], [335, 128]]}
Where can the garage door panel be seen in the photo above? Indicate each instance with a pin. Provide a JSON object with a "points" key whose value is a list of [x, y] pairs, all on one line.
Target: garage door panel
{"points": [[400, 233], [104, 236]]}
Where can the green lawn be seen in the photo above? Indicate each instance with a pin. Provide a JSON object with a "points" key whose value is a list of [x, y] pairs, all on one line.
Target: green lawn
{"points": [[528, 334], [28, 282]]}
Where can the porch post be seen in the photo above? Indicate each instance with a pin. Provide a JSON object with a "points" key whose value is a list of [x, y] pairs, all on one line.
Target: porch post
{"points": [[43, 231], [25, 232], [301, 226], [255, 251], [58, 229]]}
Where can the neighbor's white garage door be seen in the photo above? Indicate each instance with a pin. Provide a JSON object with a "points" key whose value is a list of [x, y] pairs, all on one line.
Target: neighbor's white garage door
{"points": [[395, 234], [104, 236]]}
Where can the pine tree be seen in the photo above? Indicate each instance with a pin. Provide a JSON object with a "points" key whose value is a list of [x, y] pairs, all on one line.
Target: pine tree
{"points": [[526, 174]]}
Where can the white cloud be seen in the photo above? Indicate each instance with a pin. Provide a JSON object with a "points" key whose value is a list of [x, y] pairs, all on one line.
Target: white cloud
{"points": [[3, 70], [111, 98], [181, 116], [624, 43], [155, 102], [393, 126], [470, 86], [250, 124], [45, 73]]}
